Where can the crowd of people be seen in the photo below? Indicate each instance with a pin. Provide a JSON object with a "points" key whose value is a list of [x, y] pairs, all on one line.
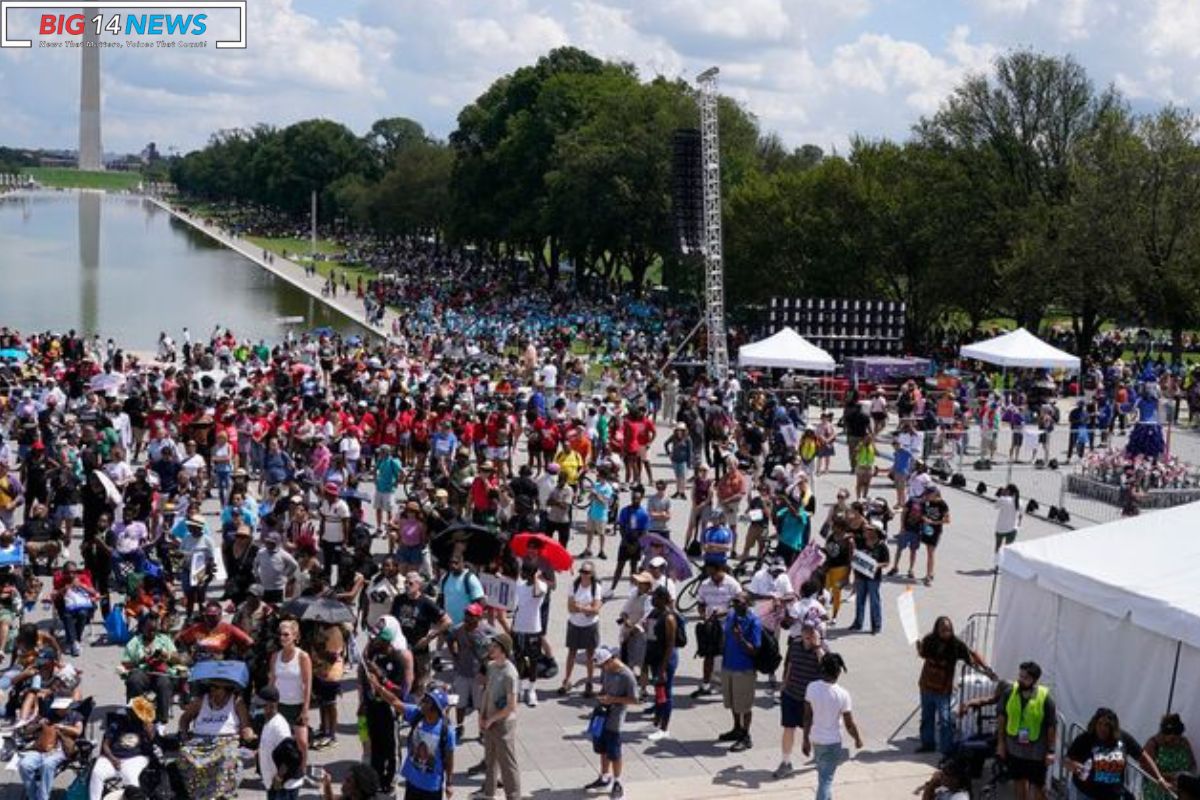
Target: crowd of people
{"points": [[264, 528]]}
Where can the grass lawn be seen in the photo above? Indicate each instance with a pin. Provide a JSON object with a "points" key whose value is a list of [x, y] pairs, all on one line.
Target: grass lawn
{"points": [[298, 250], [67, 178]]}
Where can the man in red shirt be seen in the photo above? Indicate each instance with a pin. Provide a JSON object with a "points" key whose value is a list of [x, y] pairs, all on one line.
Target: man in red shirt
{"points": [[485, 483]]}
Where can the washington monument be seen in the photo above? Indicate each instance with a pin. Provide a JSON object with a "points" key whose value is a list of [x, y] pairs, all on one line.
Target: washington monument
{"points": [[91, 155]]}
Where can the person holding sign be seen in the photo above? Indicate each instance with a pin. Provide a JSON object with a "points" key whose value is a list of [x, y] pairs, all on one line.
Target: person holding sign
{"points": [[868, 564]]}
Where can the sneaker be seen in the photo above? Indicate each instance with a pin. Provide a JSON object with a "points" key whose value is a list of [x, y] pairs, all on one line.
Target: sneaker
{"points": [[603, 557], [589, 692], [742, 744], [531, 698], [893, 571], [600, 783], [658, 736], [585, 554], [75, 650], [618, 791], [702, 691], [910, 575], [784, 770], [731, 735]]}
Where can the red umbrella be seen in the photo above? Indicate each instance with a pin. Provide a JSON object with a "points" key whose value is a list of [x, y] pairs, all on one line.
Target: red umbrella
{"points": [[552, 553]]}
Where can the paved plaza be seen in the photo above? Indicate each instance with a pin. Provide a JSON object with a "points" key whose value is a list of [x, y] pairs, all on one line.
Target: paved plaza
{"points": [[555, 755]]}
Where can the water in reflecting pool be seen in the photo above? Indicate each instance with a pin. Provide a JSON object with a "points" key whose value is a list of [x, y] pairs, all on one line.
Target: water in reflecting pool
{"points": [[121, 267]]}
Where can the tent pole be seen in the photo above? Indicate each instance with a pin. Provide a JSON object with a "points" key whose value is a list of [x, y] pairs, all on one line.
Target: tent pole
{"points": [[1174, 676]]}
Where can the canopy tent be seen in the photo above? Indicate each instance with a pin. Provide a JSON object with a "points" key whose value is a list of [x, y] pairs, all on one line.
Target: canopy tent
{"points": [[1111, 614], [785, 350], [1020, 349]]}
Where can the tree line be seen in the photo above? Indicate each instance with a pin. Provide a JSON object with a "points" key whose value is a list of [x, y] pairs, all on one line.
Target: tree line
{"points": [[1028, 192]]}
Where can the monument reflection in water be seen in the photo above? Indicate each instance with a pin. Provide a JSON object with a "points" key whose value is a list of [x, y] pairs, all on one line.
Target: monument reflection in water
{"points": [[136, 272]]}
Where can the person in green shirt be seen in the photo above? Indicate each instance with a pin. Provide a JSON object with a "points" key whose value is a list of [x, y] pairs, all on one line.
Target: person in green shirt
{"points": [[150, 660]]}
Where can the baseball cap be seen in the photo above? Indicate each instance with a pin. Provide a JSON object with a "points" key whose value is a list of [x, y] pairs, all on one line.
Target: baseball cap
{"points": [[268, 694], [474, 609], [658, 562], [504, 641], [602, 656]]}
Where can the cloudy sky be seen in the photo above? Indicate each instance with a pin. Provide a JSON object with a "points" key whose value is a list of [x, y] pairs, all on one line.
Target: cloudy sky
{"points": [[815, 71]]}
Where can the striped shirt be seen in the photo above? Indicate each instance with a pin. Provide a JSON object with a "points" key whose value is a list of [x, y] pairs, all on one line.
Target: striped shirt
{"points": [[803, 667]]}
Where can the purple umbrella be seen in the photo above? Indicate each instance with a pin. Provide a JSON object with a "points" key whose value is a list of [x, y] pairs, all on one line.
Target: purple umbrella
{"points": [[678, 565]]}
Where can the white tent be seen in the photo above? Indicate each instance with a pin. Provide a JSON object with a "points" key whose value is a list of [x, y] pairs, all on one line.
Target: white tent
{"points": [[785, 350], [1020, 349], [1112, 615]]}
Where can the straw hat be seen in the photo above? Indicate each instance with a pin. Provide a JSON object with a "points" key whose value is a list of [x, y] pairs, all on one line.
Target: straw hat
{"points": [[143, 709]]}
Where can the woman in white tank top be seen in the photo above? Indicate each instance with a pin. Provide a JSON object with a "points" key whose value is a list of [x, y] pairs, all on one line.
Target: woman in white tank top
{"points": [[291, 675]]}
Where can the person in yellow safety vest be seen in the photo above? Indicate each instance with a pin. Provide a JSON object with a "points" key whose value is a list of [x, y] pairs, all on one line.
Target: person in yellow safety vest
{"points": [[1026, 721]]}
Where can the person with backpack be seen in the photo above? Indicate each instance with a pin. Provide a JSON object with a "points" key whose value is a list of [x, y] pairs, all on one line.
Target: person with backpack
{"points": [[279, 759], [743, 637], [666, 634]]}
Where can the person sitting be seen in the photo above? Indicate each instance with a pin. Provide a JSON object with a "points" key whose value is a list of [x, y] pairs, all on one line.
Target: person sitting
{"points": [[211, 637], [210, 728], [75, 599], [951, 782], [52, 678], [126, 748], [43, 540], [150, 661], [54, 742]]}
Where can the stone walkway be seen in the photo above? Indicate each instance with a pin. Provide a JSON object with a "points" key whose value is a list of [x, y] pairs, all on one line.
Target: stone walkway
{"points": [[286, 269]]}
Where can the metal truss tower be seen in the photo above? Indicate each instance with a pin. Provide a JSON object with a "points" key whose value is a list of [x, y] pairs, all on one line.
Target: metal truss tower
{"points": [[714, 265]]}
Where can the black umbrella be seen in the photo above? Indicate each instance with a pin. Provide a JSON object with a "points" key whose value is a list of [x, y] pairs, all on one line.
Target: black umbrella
{"points": [[328, 611], [297, 606], [480, 545]]}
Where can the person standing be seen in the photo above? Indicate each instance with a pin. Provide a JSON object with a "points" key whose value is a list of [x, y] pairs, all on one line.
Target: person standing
{"points": [[1172, 751], [387, 478], [1098, 757], [527, 627], [663, 628], [743, 636], [827, 709], [801, 667], [603, 496], [937, 516], [868, 565], [618, 689], [280, 759], [583, 625], [1027, 724], [632, 522], [659, 508], [499, 721], [942, 650], [290, 677]]}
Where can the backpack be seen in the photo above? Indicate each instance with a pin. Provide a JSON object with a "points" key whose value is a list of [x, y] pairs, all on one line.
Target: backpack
{"points": [[681, 637], [767, 658]]}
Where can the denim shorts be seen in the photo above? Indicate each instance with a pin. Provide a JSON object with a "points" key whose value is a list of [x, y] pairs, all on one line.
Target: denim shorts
{"points": [[908, 540], [608, 745]]}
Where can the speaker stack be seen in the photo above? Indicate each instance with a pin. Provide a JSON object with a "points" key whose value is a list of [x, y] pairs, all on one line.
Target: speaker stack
{"points": [[687, 183], [843, 328]]}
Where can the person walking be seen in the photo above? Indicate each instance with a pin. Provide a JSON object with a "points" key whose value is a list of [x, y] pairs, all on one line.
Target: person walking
{"points": [[1098, 757], [498, 720], [618, 689], [801, 667], [291, 677], [827, 709]]}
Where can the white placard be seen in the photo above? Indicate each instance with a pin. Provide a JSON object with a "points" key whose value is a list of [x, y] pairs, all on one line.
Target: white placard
{"points": [[906, 605], [198, 567], [499, 591], [864, 564]]}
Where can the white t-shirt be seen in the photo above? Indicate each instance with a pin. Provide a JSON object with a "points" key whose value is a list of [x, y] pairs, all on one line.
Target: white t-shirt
{"points": [[380, 593], [332, 515], [917, 484], [585, 595], [1006, 514], [718, 596], [550, 376], [764, 585], [829, 702], [528, 616], [275, 731], [351, 448]]}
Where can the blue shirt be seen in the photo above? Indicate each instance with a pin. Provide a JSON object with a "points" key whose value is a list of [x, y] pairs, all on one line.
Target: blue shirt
{"points": [[424, 766], [736, 658], [443, 443], [387, 475], [458, 592], [633, 522], [598, 509]]}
